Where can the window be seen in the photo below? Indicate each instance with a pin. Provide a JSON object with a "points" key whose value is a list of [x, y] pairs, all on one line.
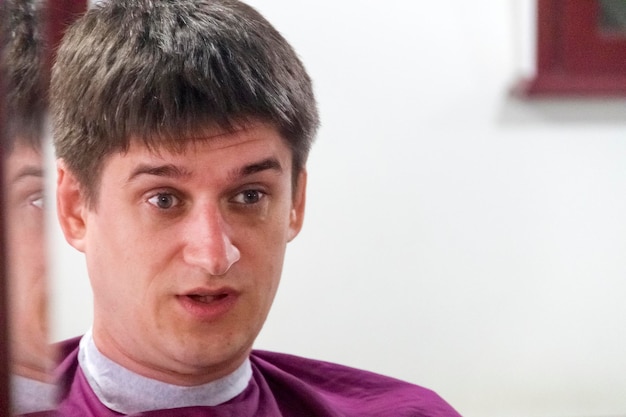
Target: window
{"points": [[581, 48]]}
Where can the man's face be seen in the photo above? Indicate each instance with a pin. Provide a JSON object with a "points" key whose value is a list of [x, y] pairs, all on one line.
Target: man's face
{"points": [[185, 250], [24, 186]]}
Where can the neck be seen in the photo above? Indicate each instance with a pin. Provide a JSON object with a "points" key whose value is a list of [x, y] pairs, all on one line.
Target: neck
{"points": [[168, 370], [128, 392]]}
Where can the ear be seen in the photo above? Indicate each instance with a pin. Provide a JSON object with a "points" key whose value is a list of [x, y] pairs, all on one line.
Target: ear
{"points": [[296, 217], [71, 207]]}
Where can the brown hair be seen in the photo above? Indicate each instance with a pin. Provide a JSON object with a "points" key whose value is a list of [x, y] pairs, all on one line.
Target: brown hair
{"points": [[158, 69], [22, 72]]}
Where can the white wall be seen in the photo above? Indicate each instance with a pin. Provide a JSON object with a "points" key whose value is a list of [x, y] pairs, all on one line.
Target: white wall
{"points": [[455, 237]]}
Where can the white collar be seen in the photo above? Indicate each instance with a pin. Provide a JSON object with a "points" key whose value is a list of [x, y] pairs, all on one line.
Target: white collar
{"points": [[126, 392], [29, 395]]}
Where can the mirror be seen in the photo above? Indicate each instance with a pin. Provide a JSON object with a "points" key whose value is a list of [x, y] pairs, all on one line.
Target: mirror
{"points": [[24, 74], [30, 30]]}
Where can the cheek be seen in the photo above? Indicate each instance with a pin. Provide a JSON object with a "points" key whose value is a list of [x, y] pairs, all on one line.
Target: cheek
{"points": [[126, 263], [26, 257], [111, 243], [262, 253], [108, 264], [266, 270]]}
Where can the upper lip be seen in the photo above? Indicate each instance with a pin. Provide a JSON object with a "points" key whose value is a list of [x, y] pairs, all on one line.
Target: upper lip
{"points": [[209, 292]]}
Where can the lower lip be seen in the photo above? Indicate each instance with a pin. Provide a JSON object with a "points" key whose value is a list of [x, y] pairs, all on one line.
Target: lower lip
{"points": [[207, 311]]}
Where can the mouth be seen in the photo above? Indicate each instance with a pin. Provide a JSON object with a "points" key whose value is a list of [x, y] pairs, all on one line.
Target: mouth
{"points": [[206, 299], [205, 304]]}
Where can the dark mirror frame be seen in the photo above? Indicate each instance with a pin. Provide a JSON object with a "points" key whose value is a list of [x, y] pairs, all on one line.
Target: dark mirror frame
{"points": [[4, 366]]}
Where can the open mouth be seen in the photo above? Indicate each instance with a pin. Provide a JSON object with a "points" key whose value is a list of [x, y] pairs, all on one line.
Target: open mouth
{"points": [[208, 304], [206, 299]]}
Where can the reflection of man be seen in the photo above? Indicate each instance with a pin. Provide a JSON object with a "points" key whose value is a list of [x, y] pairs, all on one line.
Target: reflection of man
{"points": [[31, 387], [30, 354], [182, 131]]}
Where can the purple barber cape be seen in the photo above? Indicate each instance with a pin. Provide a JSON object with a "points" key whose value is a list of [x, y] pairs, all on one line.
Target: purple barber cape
{"points": [[281, 385]]}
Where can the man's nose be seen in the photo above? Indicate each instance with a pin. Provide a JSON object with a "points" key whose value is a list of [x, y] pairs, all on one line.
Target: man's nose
{"points": [[208, 244]]}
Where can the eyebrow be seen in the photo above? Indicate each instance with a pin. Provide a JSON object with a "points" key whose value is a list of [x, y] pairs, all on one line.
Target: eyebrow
{"points": [[165, 170], [28, 171], [264, 165], [174, 171]]}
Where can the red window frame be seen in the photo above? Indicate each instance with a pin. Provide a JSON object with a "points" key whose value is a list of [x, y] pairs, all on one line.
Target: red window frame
{"points": [[574, 56]]}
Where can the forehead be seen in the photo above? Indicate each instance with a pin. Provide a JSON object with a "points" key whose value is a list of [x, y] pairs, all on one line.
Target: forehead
{"points": [[220, 146], [21, 156]]}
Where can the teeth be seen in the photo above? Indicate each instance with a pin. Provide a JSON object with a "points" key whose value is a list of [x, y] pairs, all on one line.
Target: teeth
{"points": [[202, 298]]}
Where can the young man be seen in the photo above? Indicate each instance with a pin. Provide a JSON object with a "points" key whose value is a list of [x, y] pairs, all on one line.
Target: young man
{"points": [[21, 72], [182, 131]]}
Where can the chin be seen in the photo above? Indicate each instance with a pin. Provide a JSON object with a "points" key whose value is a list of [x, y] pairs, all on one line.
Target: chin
{"points": [[210, 354]]}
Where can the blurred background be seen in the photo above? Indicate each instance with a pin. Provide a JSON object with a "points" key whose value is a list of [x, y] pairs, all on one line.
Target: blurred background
{"points": [[457, 236]]}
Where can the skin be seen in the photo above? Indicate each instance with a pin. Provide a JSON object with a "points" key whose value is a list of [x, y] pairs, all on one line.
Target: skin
{"points": [[168, 228], [24, 185]]}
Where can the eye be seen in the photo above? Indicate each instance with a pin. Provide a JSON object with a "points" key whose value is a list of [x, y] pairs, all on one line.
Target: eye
{"points": [[164, 200], [37, 201], [249, 197]]}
